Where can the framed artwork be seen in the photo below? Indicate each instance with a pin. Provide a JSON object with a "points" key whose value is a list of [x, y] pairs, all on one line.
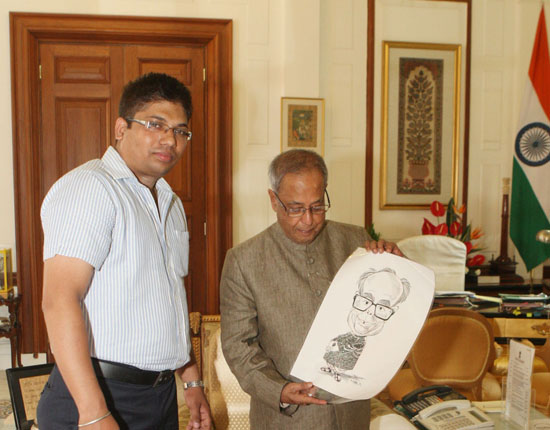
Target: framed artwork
{"points": [[302, 124], [420, 124], [26, 385]]}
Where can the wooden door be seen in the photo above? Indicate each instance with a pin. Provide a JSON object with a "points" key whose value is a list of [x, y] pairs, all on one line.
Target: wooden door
{"points": [[81, 85], [64, 115]]}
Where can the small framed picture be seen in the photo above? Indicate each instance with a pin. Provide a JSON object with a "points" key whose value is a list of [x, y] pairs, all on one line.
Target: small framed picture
{"points": [[303, 124], [26, 385]]}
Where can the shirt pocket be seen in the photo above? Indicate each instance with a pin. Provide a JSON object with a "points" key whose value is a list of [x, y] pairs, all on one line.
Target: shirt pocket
{"points": [[179, 252]]}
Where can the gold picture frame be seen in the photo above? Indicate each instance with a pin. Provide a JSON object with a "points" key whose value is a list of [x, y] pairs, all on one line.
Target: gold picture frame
{"points": [[303, 124], [420, 124]]}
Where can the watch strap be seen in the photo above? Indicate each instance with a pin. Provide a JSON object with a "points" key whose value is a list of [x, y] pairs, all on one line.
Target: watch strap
{"points": [[191, 384]]}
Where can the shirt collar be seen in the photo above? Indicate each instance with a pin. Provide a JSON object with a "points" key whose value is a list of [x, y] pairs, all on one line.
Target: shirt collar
{"points": [[117, 167]]}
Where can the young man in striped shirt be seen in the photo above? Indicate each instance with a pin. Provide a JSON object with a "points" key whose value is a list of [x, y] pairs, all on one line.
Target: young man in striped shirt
{"points": [[115, 253]]}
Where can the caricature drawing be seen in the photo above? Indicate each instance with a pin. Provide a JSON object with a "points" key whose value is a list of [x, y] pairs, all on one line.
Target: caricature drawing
{"points": [[378, 294]]}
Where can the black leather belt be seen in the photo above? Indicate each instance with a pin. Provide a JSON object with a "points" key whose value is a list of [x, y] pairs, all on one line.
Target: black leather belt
{"points": [[129, 374]]}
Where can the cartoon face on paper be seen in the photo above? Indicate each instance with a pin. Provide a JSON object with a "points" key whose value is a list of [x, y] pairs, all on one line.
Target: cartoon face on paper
{"points": [[376, 300], [378, 294]]}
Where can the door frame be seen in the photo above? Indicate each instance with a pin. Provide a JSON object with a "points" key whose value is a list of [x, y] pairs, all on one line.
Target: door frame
{"points": [[27, 31]]}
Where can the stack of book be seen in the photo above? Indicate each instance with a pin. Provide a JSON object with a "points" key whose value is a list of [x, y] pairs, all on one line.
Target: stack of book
{"points": [[525, 302], [462, 298]]}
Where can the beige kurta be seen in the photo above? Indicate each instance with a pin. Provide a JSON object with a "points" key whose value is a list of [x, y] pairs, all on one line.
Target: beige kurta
{"points": [[271, 289]]}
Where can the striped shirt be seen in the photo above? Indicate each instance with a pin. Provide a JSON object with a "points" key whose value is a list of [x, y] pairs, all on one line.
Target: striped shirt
{"points": [[135, 308]]}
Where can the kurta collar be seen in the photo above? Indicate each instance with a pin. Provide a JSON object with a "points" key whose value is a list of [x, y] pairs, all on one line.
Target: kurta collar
{"points": [[280, 235]]}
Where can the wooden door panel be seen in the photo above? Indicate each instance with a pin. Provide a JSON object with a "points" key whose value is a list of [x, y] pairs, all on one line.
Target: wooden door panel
{"points": [[76, 106], [72, 118], [180, 178], [76, 67]]}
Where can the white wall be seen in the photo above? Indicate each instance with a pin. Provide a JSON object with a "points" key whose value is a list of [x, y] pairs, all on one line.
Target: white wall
{"points": [[317, 48], [343, 85], [419, 21], [504, 32], [502, 39]]}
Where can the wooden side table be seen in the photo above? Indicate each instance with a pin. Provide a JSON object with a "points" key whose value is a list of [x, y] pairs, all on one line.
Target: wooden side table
{"points": [[10, 327]]}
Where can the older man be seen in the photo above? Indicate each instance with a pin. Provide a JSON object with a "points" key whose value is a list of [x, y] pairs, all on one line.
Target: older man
{"points": [[272, 286]]}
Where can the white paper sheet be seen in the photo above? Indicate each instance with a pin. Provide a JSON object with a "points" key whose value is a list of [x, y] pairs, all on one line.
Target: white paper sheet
{"points": [[350, 353], [518, 383]]}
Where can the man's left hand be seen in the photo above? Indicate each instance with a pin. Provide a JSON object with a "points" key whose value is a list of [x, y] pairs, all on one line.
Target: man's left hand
{"points": [[198, 407], [382, 246]]}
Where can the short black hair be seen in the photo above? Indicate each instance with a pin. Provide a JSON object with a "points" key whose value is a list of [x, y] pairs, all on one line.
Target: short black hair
{"points": [[153, 87]]}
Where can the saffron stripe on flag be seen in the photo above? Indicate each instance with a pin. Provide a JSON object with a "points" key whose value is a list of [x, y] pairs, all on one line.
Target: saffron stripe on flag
{"points": [[539, 69]]}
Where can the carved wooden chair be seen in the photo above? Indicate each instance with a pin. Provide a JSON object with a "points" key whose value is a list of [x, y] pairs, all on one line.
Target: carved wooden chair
{"points": [[229, 404]]}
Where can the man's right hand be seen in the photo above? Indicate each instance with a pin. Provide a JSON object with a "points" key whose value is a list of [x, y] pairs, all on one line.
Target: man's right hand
{"points": [[300, 393]]}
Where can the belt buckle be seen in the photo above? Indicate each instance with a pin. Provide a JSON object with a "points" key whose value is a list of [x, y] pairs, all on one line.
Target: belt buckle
{"points": [[163, 377]]}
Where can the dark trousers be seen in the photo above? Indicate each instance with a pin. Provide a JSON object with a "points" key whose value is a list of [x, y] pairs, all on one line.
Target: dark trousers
{"points": [[135, 407]]}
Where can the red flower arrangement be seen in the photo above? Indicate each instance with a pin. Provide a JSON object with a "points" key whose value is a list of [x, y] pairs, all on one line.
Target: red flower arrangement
{"points": [[452, 227]]}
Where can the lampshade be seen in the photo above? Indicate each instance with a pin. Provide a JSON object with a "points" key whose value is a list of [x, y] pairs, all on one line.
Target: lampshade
{"points": [[543, 236]]}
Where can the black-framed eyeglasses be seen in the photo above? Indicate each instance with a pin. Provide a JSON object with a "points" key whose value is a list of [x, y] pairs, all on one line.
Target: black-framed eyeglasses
{"points": [[382, 312], [296, 212], [180, 133]]}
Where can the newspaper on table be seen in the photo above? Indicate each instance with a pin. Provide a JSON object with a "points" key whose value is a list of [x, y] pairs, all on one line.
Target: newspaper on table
{"points": [[366, 326]]}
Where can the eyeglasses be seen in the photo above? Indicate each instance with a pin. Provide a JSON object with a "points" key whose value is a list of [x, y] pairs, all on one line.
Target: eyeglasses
{"points": [[295, 212], [180, 133], [380, 311]]}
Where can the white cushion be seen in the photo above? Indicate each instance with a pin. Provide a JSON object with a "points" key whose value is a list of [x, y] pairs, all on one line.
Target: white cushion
{"points": [[444, 255]]}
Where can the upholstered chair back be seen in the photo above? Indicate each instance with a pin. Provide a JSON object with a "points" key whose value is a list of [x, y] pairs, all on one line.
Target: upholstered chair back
{"points": [[456, 348], [444, 255], [229, 404]]}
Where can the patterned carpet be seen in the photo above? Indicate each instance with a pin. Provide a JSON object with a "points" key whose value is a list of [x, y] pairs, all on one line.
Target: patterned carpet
{"points": [[5, 408]]}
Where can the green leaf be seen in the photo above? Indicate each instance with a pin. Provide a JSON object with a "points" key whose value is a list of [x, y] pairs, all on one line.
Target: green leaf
{"points": [[450, 214], [373, 233], [466, 234]]}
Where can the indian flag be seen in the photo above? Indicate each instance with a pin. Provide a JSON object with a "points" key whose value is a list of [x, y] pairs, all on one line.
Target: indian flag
{"points": [[530, 209]]}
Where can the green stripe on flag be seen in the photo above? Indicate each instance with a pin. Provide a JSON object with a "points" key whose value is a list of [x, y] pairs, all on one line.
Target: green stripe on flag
{"points": [[526, 218]]}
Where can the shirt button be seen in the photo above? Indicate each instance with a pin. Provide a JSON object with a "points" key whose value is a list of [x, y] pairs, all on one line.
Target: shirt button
{"points": [[310, 260], [318, 292]]}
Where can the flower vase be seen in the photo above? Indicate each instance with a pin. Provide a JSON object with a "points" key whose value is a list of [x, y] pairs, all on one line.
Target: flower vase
{"points": [[418, 171]]}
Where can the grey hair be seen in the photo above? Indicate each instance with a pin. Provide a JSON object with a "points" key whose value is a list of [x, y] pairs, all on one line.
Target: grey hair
{"points": [[295, 161]]}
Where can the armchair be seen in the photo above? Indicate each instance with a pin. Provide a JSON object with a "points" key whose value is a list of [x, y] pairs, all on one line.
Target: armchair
{"points": [[455, 348], [229, 404], [541, 380]]}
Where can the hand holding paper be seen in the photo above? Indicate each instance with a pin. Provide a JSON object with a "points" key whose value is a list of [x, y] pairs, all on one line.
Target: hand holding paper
{"points": [[366, 325]]}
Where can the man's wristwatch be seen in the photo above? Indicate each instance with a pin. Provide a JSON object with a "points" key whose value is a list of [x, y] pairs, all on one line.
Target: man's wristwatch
{"points": [[192, 384]]}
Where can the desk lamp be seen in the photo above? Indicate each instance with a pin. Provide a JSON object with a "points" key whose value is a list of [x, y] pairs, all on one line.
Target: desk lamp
{"points": [[543, 236]]}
